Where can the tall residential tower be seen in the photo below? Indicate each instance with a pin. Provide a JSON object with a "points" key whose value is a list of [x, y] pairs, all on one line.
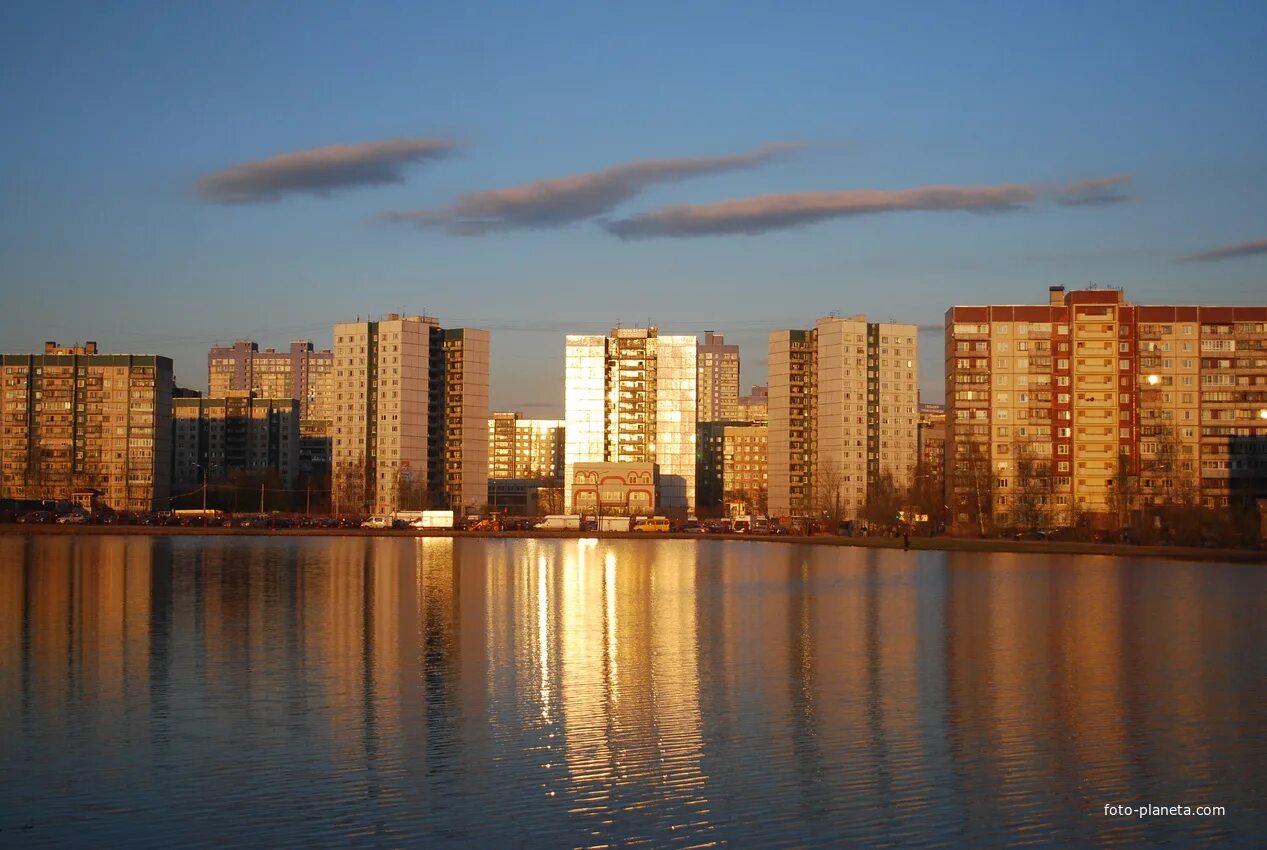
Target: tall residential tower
{"points": [[631, 398], [410, 415], [718, 369], [843, 414]]}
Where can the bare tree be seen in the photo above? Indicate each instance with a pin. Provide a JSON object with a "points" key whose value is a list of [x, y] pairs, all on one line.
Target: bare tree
{"points": [[550, 500], [1031, 488], [350, 487], [828, 481], [974, 478], [884, 500], [1123, 493], [411, 491]]}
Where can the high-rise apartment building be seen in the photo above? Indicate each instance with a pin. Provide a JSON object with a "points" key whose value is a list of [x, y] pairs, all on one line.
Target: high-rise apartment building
{"points": [[718, 382], [930, 477], [755, 407], [525, 448], [631, 398], [410, 415], [300, 372], [843, 418], [466, 377], [215, 436], [733, 465], [75, 419], [1091, 407]]}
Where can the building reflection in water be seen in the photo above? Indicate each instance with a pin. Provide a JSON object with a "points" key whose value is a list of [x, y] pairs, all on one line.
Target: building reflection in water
{"points": [[606, 691]]}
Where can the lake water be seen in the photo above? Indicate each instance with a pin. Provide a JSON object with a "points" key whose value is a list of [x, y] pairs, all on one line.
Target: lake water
{"points": [[392, 692]]}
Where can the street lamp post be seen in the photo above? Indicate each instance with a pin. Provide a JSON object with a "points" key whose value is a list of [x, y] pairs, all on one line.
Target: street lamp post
{"points": [[204, 485]]}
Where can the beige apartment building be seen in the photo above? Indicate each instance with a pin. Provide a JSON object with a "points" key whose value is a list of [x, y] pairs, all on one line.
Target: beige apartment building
{"points": [[466, 377], [300, 372], [755, 407], [718, 382], [76, 419], [520, 448], [216, 436], [1089, 407], [932, 453], [842, 414], [734, 468], [410, 415], [631, 398]]}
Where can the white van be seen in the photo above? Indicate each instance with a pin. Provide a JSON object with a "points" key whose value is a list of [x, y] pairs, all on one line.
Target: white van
{"points": [[378, 521], [560, 522]]}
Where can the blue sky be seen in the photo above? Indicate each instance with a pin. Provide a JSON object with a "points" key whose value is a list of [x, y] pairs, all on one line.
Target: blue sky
{"points": [[111, 114]]}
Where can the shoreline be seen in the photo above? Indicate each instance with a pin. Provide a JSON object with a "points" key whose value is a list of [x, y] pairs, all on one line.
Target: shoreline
{"points": [[941, 544]]}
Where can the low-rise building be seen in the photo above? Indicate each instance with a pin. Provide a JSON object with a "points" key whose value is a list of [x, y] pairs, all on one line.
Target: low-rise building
{"points": [[614, 489]]}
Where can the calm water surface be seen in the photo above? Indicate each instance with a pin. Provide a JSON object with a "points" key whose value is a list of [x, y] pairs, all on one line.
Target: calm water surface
{"points": [[500, 693]]}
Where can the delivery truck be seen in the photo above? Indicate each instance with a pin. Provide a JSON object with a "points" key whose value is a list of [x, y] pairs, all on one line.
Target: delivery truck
{"points": [[560, 522], [433, 519], [613, 523]]}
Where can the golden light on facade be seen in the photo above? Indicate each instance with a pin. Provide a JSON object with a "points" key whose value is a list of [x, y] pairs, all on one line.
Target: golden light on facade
{"points": [[1154, 380]]}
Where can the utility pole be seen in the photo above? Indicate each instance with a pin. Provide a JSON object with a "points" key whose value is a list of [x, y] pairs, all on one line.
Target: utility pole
{"points": [[261, 497], [308, 504], [204, 490]]}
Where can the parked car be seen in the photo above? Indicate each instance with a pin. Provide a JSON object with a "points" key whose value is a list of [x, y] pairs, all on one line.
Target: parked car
{"points": [[655, 524], [378, 521], [36, 517], [75, 518]]}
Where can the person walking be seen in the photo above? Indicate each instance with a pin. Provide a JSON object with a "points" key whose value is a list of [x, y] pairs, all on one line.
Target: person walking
{"points": [[906, 541]]}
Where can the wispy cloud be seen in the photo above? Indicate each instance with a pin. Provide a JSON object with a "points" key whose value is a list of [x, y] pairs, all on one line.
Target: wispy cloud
{"points": [[1099, 192], [781, 212], [766, 213], [320, 171], [565, 200], [1244, 249]]}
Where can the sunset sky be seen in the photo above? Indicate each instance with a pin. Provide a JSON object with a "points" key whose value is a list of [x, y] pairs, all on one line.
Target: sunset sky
{"points": [[175, 175]]}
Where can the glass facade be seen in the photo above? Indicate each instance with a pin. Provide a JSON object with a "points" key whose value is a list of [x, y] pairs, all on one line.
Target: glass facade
{"points": [[631, 398], [585, 379], [675, 420]]}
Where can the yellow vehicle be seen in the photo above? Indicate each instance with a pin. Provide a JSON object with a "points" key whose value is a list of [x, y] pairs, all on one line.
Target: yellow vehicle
{"points": [[655, 523]]}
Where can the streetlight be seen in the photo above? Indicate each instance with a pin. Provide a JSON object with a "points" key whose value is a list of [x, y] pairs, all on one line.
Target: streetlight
{"points": [[1154, 380], [205, 471]]}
